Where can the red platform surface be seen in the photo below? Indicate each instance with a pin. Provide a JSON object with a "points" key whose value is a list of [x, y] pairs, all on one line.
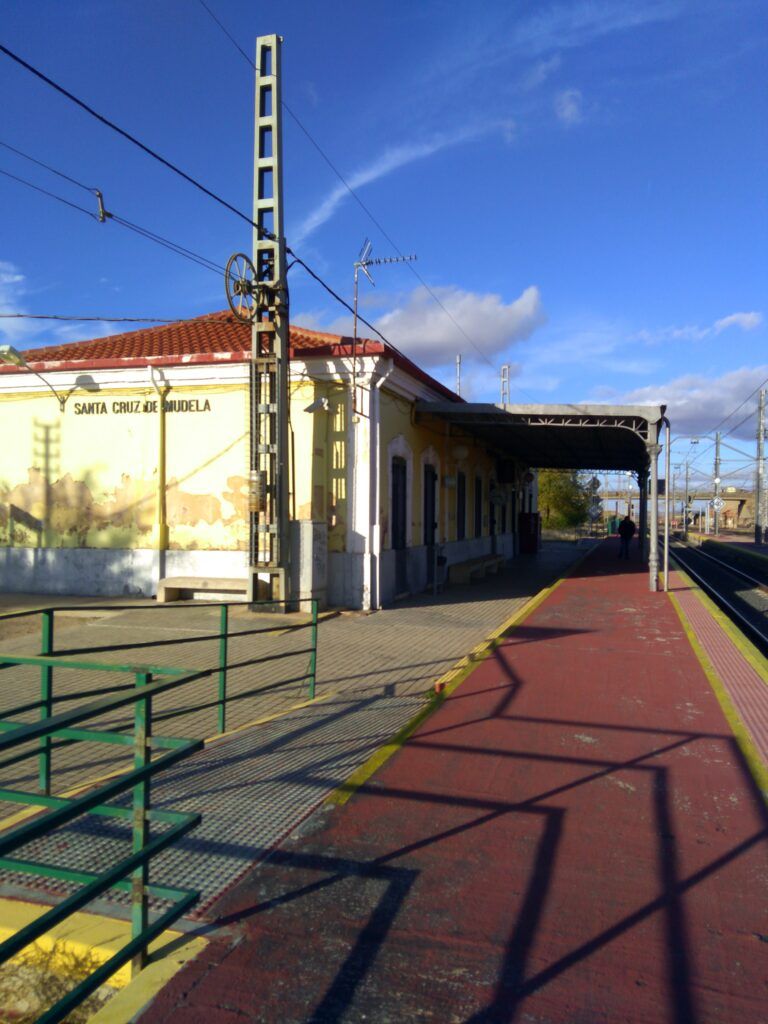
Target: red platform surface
{"points": [[573, 838]]}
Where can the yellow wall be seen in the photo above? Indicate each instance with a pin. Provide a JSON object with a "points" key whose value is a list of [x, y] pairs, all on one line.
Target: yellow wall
{"points": [[89, 475], [396, 419]]}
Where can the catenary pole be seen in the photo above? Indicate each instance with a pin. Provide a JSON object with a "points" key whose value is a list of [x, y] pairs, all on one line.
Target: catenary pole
{"points": [[717, 483], [760, 494]]}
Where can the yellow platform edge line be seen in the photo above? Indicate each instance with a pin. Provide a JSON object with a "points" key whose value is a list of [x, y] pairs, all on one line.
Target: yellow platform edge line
{"points": [[443, 688], [757, 767]]}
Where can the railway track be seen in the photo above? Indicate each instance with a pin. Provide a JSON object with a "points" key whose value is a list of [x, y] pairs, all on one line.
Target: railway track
{"points": [[741, 595]]}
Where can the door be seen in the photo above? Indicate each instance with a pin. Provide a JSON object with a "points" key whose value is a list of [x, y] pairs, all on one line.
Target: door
{"points": [[430, 519], [492, 518], [399, 510]]}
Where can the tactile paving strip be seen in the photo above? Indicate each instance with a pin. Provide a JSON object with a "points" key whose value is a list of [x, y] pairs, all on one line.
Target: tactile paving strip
{"points": [[251, 789]]}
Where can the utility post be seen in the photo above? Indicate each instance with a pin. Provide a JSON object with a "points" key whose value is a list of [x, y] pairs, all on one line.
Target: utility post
{"points": [[458, 373], [760, 487], [717, 483], [505, 384], [687, 500], [269, 536]]}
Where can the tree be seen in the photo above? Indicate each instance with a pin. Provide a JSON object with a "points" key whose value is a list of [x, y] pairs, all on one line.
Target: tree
{"points": [[564, 497]]}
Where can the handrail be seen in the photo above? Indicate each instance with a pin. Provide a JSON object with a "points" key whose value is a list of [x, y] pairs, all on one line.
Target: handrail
{"points": [[46, 701], [131, 874], [132, 870]]}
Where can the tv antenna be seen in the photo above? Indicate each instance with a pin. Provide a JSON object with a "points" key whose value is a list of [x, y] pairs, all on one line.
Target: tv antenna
{"points": [[363, 262]]}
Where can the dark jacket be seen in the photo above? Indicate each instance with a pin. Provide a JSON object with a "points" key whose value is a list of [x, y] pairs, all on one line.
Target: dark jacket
{"points": [[626, 529]]}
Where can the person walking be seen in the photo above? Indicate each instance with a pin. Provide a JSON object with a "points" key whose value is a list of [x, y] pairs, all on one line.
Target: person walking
{"points": [[626, 533]]}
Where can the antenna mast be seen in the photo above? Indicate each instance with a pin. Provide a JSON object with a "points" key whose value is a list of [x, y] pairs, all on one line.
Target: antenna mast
{"points": [[363, 261]]}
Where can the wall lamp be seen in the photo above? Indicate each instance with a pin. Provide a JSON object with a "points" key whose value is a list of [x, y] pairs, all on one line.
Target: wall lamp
{"points": [[12, 356]]}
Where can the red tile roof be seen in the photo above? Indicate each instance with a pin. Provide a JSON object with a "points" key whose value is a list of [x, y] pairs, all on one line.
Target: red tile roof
{"points": [[214, 332], [211, 338]]}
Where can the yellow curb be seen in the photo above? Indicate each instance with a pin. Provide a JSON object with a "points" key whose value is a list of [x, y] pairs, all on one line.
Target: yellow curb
{"points": [[443, 688], [101, 937], [757, 768]]}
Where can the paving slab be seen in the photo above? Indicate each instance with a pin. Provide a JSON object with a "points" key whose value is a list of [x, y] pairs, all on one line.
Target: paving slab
{"points": [[574, 837], [254, 787]]}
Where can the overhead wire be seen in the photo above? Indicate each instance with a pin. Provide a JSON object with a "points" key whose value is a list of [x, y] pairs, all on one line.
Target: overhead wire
{"points": [[52, 195], [374, 220], [180, 250], [48, 167], [262, 232], [97, 319], [136, 142]]}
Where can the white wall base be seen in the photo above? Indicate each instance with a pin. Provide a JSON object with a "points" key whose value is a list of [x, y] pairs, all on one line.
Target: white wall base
{"points": [[106, 572]]}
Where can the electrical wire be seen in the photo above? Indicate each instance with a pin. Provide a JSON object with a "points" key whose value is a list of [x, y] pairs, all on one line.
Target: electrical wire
{"points": [[40, 163], [97, 319], [374, 220], [152, 236], [52, 195], [263, 233]]}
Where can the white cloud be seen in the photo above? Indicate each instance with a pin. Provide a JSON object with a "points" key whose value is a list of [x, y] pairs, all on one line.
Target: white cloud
{"points": [[12, 291], [568, 106], [540, 72], [746, 321], [694, 332], [390, 160], [696, 403], [424, 332]]}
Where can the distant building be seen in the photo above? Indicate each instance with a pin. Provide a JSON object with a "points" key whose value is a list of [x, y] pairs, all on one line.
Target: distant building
{"points": [[79, 508]]}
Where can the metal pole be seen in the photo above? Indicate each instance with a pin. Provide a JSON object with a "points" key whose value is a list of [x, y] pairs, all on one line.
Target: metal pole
{"points": [[46, 701], [653, 551], [667, 457], [687, 499], [142, 736], [223, 634], [717, 482], [458, 373], [760, 471], [313, 653], [354, 347]]}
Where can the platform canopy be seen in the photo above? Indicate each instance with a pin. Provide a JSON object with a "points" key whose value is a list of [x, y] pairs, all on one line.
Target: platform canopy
{"points": [[600, 437]]}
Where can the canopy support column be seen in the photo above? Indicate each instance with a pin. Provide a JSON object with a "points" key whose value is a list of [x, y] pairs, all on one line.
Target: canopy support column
{"points": [[653, 553]]}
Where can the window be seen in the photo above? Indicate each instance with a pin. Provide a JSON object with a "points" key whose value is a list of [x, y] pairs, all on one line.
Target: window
{"points": [[478, 506], [461, 506]]}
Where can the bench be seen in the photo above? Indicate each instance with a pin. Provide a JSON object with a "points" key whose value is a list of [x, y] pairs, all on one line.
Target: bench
{"points": [[474, 568], [172, 588]]}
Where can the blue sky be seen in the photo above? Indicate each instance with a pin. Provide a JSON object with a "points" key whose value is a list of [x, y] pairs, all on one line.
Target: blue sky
{"points": [[583, 182]]}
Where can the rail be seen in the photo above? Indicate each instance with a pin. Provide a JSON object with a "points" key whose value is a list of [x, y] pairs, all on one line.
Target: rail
{"points": [[756, 634]]}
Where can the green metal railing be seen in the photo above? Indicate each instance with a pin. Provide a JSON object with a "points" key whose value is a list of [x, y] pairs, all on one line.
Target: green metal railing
{"points": [[131, 873], [151, 756], [47, 634]]}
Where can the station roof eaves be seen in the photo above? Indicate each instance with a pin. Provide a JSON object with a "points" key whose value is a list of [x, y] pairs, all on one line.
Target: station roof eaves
{"points": [[211, 338], [604, 437]]}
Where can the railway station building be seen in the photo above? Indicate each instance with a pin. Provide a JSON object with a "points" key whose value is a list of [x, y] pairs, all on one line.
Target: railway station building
{"points": [[136, 469]]}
